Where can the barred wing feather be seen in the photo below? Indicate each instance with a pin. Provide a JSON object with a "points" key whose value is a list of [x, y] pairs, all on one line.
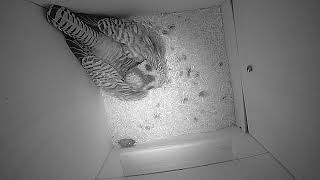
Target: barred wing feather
{"points": [[110, 59]]}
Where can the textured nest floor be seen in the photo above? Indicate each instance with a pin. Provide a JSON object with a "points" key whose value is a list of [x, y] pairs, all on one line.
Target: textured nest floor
{"points": [[197, 98]]}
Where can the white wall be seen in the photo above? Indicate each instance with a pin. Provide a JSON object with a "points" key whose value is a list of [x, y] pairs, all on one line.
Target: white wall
{"points": [[53, 122], [130, 6], [281, 40], [261, 167]]}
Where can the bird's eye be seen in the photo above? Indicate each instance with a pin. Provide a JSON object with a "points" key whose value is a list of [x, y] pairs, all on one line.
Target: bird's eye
{"points": [[148, 67]]}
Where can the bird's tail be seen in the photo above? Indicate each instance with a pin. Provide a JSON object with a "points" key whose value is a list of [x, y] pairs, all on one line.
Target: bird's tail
{"points": [[67, 22]]}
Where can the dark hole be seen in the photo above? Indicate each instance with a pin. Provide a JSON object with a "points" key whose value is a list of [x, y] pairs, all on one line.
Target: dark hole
{"points": [[151, 87]]}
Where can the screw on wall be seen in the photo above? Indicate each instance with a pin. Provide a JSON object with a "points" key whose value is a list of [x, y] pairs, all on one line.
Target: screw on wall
{"points": [[6, 100], [249, 68]]}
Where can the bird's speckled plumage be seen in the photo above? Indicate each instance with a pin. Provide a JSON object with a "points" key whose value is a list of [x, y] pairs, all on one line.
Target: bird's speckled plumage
{"points": [[113, 51]]}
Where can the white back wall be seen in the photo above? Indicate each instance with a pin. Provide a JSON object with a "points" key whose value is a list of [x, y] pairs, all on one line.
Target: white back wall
{"points": [[53, 122], [130, 6]]}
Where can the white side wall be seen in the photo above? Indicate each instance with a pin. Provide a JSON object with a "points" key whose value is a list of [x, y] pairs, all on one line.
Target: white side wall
{"points": [[53, 122], [281, 40]]}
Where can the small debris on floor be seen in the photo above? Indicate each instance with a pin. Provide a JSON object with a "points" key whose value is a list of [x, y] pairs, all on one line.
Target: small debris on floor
{"points": [[203, 94], [156, 116], [227, 98], [195, 83], [181, 73], [171, 27], [185, 100], [165, 32], [188, 71], [181, 58], [127, 142], [184, 57], [196, 75], [195, 119]]}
